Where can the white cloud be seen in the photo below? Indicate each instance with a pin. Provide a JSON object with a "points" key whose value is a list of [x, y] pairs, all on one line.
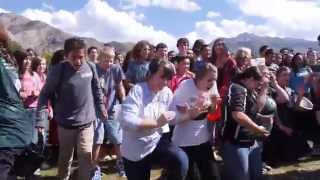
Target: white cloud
{"points": [[281, 18], [137, 16], [213, 14], [182, 5], [4, 11], [99, 20], [61, 19], [210, 30], [293, 18]]}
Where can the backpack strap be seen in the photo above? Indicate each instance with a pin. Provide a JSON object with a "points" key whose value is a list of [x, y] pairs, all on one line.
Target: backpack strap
{"points": [[56, 93]]}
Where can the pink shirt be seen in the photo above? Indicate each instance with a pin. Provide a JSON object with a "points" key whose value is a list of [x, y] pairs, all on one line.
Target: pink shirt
{"points": [[40, 79], [29, 85]]}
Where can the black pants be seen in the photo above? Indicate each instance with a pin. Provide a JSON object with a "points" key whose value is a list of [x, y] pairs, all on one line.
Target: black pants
{"points": [[173, 158], [280, 148], [201, 156], [7, 160]]}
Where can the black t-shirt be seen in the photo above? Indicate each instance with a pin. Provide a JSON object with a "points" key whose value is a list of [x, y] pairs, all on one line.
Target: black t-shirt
{"points": [[285, 110], [243, 100]]}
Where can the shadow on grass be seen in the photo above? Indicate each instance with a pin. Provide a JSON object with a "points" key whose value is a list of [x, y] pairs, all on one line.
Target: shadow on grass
{"points": [[295, 175]]}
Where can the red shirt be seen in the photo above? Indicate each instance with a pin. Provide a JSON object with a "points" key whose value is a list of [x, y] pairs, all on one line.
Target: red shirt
{"points": [[176, 81], [225, 76]]}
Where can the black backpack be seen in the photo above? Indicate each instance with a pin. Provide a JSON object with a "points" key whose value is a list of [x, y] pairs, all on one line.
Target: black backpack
{"points": [[31, 159]]}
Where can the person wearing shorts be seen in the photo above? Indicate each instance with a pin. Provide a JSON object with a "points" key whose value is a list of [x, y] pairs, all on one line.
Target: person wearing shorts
{"points": [[111, 77]]}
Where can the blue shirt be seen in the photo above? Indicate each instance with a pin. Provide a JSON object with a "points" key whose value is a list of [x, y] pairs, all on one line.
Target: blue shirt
{"points": [[297, 79], [198, 64], [110, 80], [137, 71]]}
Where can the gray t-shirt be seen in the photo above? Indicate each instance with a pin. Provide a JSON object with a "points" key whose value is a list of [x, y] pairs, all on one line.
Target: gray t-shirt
{"points": [[110, 80], [78, 93]]}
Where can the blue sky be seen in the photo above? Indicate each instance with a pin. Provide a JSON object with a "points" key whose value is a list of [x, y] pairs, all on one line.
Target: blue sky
{"points": [[153, 14], [167, 20]]}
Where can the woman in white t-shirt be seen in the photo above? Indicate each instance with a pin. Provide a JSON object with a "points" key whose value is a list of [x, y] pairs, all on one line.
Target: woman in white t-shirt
{"points": [[193, 135]]}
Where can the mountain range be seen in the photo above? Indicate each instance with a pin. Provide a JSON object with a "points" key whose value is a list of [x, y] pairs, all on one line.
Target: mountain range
{"points": [[45, 38]]}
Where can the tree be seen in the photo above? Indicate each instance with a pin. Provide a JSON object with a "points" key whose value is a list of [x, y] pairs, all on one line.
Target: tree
{"points": [[47, 56]]}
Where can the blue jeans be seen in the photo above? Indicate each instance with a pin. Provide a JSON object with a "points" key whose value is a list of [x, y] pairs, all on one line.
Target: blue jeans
{"points": [[109, 129], [32, 112], [172, 157], [202, 156], [113, 131], [242, 163]]}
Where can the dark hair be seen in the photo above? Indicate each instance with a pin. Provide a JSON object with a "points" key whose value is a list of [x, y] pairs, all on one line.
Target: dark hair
{"points": [[282, 69], [213, 52], [203, 70], [4, 38], [262, 49], [4, 46], [31, 50], [57, 57], [35, 63], [107, 45], [155, 66], [20, 56], [269, 51], [197, 46], [91, 48], [319, 37], [73, 44], [182, 40], [294, 65], [172, 55], [161, 46], [179, 59], [251, 72], [283, 49], [204, 46], [126, 61], [136, 51]]}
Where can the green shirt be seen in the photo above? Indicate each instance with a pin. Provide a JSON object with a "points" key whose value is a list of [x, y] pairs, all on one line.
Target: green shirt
{"points": [[16, 124]]}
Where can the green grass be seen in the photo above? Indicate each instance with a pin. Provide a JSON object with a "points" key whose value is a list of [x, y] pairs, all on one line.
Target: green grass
{"points": [[307, 169], [107, 168]]}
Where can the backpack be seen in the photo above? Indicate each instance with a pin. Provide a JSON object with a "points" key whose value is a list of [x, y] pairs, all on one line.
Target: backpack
{"points": [[31, 159], [55, 96]]}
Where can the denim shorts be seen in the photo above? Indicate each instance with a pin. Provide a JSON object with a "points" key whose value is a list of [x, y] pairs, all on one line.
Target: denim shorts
{"points": [[109, 130], [98, 131], [113, 131]]}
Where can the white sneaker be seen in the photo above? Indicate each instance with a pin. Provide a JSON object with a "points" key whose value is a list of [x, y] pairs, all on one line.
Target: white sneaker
{"points": [[107, 158], [37, 172]]}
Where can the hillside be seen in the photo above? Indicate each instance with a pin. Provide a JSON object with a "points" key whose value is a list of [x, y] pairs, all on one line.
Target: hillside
{"points": [[45, 38], [254, 42]]}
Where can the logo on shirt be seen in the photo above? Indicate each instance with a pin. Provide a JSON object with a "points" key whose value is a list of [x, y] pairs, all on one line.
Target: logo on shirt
{"points": [[86, 75]]}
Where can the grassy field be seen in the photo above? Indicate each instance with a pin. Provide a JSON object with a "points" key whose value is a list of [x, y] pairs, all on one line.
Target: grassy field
{"points": [[107, 168], [307, 169]]}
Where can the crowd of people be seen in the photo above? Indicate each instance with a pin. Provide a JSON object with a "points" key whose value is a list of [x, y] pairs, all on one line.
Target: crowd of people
{"points": [[180, 110]]}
